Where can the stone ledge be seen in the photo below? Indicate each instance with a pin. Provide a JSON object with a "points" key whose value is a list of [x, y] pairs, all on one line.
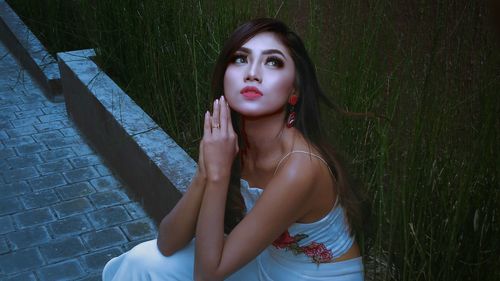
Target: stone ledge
{"points": [[138, 150], [30, 52]]}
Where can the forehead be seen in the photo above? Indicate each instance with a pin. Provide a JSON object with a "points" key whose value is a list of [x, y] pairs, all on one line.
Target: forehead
{"points": [[265, 41]]}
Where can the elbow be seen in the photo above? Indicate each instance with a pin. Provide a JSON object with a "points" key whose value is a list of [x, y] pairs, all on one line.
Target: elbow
{"points": [[164, 249], [205, 275]]}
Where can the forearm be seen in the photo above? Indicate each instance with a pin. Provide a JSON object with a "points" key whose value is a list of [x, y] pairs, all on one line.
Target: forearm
{"points": [[210, 230], [178, 227]]}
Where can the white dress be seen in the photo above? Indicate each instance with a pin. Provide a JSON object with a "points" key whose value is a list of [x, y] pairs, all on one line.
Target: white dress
{"points": [[303, 252]]}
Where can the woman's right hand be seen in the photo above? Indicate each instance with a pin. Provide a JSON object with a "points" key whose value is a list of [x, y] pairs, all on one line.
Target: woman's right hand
{"points": [[220, 142]]}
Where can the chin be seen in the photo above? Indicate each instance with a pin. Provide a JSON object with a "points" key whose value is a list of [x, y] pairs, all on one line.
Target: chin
{"points": [[259, 113], [249, 113], [253, 109]]}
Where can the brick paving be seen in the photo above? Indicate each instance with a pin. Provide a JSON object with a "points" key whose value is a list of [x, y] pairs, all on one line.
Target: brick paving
{"points": [[63, 213]]}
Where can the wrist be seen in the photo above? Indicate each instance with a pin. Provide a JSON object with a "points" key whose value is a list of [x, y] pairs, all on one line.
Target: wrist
{"points": [[218, 179], [199, 178]]}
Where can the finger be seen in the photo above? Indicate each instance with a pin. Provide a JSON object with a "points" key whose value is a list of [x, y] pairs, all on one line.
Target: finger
{"points": [[216, 115], [200, 150], [207, 130], [223, 115], [229, 119]]}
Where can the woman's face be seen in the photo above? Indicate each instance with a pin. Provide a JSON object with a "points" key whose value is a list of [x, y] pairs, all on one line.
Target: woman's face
{"points": [[260, 76]]}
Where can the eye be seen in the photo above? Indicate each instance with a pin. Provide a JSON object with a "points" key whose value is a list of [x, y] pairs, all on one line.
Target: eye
{"points": [[239, 59], [274, 62]]}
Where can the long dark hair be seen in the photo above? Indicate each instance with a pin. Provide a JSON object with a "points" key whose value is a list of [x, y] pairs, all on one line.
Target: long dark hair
{"points": [[308, 118]]}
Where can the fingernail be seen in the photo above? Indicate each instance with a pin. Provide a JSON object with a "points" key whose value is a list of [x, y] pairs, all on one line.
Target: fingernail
{"points": [[217, 101], [222, 98]]}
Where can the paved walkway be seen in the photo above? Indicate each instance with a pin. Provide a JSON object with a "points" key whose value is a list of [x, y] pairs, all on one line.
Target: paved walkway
{"points": [[62, 212]]}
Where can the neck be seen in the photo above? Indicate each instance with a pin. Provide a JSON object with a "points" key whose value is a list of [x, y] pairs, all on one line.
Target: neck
{"points": [[265, 136]]}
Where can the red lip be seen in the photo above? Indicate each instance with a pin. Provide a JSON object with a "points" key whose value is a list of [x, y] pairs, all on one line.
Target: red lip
{"points": [[251, 93]]}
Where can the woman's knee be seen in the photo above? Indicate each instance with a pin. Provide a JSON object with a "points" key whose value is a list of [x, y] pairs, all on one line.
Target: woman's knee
{"points": [[148, 257], [144, 254]]}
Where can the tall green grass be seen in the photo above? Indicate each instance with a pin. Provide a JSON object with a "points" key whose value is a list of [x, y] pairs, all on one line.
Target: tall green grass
{"points": [[57, 23], [425, 72]]}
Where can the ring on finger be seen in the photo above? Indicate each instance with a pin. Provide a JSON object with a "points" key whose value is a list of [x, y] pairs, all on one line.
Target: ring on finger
{"points": [[217, 126]]}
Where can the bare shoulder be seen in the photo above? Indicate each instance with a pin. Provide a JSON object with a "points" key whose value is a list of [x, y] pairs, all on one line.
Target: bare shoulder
{"points": [[302, 158], [291, 193], [307, 175], [303, 166]]}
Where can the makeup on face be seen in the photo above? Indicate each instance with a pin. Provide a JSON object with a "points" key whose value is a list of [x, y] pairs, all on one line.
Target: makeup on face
{"points": [[260, 76], [251, 93], [273, 57]]}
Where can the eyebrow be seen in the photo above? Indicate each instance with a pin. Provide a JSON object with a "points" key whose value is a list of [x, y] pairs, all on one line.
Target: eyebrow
{"points": [[265, 52]]}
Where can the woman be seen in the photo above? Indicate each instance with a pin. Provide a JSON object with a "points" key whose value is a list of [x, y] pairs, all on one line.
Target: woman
{"points": [[262, 154]]}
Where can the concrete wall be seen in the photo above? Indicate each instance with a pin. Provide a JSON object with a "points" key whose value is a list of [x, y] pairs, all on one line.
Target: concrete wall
{"points": [[136, 148], [140, 152]]}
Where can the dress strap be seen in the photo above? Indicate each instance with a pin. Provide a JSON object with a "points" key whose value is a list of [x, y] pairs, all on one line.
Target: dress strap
{"points": [[314, 155], [304, 152]]}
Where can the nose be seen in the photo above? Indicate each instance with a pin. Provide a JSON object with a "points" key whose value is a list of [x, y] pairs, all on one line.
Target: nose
{"points": [[253, 73]]}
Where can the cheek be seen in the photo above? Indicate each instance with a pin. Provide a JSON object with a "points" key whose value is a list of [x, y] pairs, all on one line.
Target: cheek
{"points": [[230, 84], [230, 80], [284, 82]]}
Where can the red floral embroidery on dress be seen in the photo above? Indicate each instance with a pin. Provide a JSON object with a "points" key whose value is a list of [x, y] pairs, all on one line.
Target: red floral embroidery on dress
{"points": [[286, 241], [316, 251]]}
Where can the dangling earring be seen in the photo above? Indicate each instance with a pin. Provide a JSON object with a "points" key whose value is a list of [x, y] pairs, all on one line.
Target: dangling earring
{"points": [[292, 101]]}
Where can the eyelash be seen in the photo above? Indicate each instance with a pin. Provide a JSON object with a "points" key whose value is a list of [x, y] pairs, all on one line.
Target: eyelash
{"points": [[237, 57], [277, 62]]}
